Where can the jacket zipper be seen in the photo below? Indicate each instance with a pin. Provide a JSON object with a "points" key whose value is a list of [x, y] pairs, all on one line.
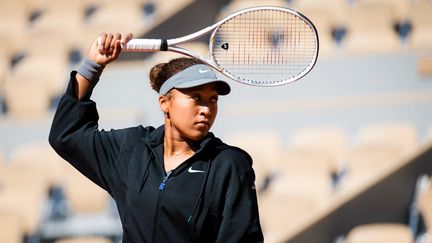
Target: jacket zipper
{"points": [[163, 183], [162, 186]]}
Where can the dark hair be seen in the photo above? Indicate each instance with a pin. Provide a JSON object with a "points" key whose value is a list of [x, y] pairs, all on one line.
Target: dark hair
{"points": [[163, 71]]}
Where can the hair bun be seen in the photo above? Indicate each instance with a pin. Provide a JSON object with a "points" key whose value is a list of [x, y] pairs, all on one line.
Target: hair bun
{"points": [[163, 71], [155, 72]]}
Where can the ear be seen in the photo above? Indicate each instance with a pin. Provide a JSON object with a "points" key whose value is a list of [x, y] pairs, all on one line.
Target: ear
{"points": [[164, 103]]}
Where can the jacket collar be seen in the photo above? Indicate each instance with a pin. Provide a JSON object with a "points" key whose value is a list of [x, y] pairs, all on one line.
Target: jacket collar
{"points": [[156, 137]]}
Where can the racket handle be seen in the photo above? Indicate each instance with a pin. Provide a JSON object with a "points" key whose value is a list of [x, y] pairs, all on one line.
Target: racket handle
{"points": [[143, 45]]}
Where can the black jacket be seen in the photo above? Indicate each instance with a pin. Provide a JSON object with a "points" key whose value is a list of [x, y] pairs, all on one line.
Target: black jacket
{"points": [[211, 197]]}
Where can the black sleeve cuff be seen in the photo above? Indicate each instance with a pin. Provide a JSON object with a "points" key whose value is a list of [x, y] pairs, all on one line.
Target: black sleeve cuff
{"points": [[70, 90]]}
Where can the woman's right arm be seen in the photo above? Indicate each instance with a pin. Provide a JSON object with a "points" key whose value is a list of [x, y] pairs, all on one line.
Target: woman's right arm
{"points": [[74, 132]]}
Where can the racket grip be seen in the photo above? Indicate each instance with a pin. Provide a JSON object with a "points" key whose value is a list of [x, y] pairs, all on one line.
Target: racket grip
{"points": [[143, 45]]}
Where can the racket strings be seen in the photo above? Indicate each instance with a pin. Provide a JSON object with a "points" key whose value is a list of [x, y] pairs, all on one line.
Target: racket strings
{"points": [[265, 47]]}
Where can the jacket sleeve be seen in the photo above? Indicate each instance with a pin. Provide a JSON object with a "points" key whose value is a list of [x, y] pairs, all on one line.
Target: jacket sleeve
{"points": [[74, 136], [240, 218]]}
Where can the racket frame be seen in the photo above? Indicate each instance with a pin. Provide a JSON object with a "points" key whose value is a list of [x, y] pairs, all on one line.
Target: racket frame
{"points": [[155, 45]]}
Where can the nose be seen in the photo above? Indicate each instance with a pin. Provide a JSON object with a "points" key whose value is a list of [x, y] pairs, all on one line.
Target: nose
{"points": [[204, 110]]}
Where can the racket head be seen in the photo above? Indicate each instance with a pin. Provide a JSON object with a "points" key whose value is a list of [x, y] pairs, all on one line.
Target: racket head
{"points": [[264, 46]]}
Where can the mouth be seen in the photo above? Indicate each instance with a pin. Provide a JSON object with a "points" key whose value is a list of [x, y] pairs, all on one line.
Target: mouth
{"points": [[203, 123]]}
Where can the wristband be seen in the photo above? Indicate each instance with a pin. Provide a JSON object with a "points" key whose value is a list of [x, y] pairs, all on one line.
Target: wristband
{"points": [[90, 70]]}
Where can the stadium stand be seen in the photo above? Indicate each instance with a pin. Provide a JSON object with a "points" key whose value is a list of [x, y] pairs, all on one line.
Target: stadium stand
{"points": [[321, 178]]}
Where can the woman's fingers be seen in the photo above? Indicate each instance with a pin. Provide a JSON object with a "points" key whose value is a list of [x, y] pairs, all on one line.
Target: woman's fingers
{"points": [[108, 47], [107, 44], [101, 41], [117, 49], [126, 38]]}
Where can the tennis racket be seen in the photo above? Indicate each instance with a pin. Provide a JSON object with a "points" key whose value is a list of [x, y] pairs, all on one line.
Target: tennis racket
{"points": [[262, 46]]}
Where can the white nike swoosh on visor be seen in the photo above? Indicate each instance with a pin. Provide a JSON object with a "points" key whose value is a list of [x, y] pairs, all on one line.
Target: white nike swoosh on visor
{"points": [[203, 71], [190, 170]]}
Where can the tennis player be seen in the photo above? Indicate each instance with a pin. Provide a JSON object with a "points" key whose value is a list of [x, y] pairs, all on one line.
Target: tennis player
{"points": [[174, 183]]}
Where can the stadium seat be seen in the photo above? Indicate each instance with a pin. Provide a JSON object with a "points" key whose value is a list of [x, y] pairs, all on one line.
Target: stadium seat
{"points": [[379, 233], [26, 100], [331, 142], [5, 60], [400, 135], [280, 215], [325, 25], [111, 18], [34, 68], [83, 195], [302, 174], [370, 29], [84, 240], [237, 5], [131, 17], [337, 9], [40, 156], [23, 197], [399, 8], [364, 164], [421, 20], [10, 228], [59, 27], [14, 19], [97, 2], [424, 66], [58, 5], [379, 146], [265, 147]]}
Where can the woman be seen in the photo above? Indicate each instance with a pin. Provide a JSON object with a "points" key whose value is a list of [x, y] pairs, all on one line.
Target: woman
{"points": [[175, 183]]}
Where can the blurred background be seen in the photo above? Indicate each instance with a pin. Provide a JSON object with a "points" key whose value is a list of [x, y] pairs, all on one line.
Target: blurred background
{"points": [[343, 155]]}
